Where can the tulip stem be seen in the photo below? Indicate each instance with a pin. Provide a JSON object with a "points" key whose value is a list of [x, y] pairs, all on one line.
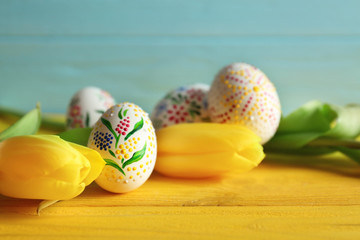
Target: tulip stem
{"points": [[46, 121], [325, 142], [45, 204]]}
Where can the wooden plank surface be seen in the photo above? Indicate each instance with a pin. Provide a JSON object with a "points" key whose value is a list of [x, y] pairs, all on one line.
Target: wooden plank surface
{"points": [[326, 182], [273, 201], [284, 198], [258, 222]]}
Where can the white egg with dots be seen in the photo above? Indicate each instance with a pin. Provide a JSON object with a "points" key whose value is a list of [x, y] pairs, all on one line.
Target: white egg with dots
{"points": [[86, 106], [243, 94], [125, 138], [186, 104]]}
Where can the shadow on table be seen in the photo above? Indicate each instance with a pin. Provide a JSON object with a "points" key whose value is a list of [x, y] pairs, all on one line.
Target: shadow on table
{"points": [[334, 163]]}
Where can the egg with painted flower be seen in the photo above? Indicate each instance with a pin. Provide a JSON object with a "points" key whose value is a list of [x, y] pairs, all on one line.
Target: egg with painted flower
{"points": [[243, 94], [186, 104], [125, 138], [86, 106]]}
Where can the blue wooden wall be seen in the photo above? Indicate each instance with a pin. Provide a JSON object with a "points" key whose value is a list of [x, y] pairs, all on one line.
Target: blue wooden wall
{"points": [[138, 50]]}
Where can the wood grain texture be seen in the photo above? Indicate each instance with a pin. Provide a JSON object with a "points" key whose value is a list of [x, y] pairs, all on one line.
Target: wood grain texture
{"points": [[326, 182], [284, 198], [186, 223]]}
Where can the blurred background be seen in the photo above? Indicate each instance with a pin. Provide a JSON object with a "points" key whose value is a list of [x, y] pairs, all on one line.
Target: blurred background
{"points": [[139, 50]]}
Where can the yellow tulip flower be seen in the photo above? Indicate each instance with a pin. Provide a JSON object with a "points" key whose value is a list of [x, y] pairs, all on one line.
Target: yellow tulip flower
{"points": [[46, 167], [199, 150]]}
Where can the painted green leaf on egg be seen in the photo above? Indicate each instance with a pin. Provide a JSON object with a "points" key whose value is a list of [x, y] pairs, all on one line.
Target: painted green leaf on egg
{"points": [[137, 127], [193, 104], [119, 114], [87, 120], [136, 157], [100, 111], [125, 112], [176, 100], [114, 165], [108, 125], [68, 121], [194, 113], [112, 153]]}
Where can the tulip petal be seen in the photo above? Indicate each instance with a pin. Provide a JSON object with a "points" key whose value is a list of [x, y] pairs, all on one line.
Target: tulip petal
{"points": [[200, 150], [96, 161], [40, 188], [44, 204], [38, 155], [46, 167]]}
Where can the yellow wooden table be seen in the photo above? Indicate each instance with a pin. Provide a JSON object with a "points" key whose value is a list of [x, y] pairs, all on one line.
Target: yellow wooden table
{"points": [[284, 198]]}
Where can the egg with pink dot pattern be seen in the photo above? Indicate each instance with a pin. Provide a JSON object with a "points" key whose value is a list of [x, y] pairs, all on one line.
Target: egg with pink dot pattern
{"points": [[242, 94], [125, 138], [185, 104]]}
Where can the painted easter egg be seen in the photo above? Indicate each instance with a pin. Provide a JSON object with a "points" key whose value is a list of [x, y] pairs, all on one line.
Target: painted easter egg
{"points": [[186, 104], [86, 107], [242, 94], [125, 138]]}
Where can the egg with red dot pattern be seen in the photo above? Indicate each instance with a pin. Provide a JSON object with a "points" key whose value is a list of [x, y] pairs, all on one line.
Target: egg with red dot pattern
{"points": [[125, 138], [185, 104], [242, 94]]}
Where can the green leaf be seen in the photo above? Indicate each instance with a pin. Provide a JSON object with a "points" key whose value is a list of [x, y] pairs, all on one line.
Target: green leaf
{"points": [[318, 128], [351, 153], [27, 125], [125, 112], [136, 157], [331, 142], [108, 125], [52, 123], [347, 122], [137, 127], [77, 135], [305, 124], [112, 153], [114, 165], [119, 114]]}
